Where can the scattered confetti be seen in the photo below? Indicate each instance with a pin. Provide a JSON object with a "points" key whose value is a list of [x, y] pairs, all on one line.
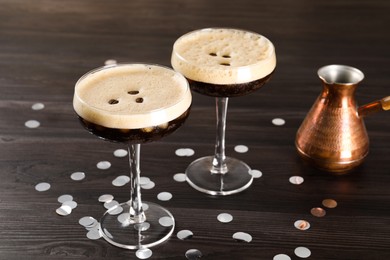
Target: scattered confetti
{"points": [[121, 180], [241, 148], [43, 186], [225, 217], [144, 181], [185, 152], [71, 203], [318, 212], [110, 204], [255, 173], [143, 253], [302, 252], [281, 257], [87, 221], [242, 236], [38, 106], [120, 153], [302, 224], [77, 176], [179, 177], [184, 234], [32, 124], [164, 196], [193, 254], [166, 221], [103, 165], [142, 226], [94, 234], [329, 203], [106, 198], [115, 210], [65, 197], [148, 186], [278, 121], [297, 180], [64, 210], [110, 62]]}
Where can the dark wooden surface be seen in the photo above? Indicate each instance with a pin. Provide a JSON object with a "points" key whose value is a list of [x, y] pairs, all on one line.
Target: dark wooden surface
{"points": [[45, 46]]}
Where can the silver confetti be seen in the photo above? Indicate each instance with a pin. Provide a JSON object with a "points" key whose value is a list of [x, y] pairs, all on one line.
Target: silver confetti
{"points": [[111, 204], [241, 148], [43, 186], [278, 121], [37, 106], [179, 177], [225, 217], [106, 198], [65, 197], [184, 234], [164, 196], [297, 180], [77, 176], [302, 252], [166, 221], [255, 173], [121, 180], [120, 153], [94, 234], [242, 236], [193, 254], [148, 186], [103, 165], [32, 124], [64, 210], [143, 253], [281, 257], [87, 221], [70, 203]]}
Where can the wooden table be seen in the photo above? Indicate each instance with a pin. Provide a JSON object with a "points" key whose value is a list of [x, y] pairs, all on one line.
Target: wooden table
{"points": [[45, 46]]}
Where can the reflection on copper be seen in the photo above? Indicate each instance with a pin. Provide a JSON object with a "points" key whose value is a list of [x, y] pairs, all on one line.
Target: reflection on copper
{"points": [[329, 203], [318, 212], [302, 224]]}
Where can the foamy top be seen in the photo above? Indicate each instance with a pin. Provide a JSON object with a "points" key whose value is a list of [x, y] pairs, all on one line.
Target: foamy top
{"points": [[223, 56], [130, 96]]}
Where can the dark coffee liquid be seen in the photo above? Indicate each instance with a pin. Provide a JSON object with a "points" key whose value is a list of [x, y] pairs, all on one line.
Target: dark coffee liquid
{"points": [[227, 90], [134, 136]]}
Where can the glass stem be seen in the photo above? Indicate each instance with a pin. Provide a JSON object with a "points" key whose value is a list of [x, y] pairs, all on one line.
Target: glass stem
{"points": [[219, 165], [137, 214]]}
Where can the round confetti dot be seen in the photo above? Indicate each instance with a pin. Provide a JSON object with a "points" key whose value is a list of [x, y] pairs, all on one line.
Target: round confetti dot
{"points": [[32, 124], [297, 180], [77, 176], [65, 197], [64, 210], [278, 121], [94, 234], [144, 181], [281, 257], [115, 210], [241, 148], [184, 152], [110, 62], [302, 252], [242, 236], [225, 217], [148, 186], [87, 221], [184, 234], [142, 226], [145, 206], [302, 224], [124, 218], [329, 203], [255, 173], [111, 204], [38, 106], [121, 180], [143, 253], [43, 186], [166, 221], [193, 254], [179, 177], [120, 153], [318, 212], [71, 203], [106, 198], [103, 165], [164, 196]]}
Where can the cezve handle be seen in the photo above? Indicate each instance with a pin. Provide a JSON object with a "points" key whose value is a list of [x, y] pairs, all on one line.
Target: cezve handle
{"points": [[373, 107]]}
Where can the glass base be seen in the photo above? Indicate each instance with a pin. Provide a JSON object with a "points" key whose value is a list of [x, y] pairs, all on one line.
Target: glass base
{"points": [[237, 178], [117, 228]]}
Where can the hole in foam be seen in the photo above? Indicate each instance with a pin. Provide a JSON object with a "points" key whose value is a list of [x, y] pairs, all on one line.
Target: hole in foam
{"points": [[139, 100], [224, 64], [133, 92], [113, 101]]}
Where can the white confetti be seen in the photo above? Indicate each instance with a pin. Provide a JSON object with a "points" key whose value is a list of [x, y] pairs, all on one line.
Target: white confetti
{"points": [[106, 198], [143, 253], [164, 196], [70, 203], [77, 176], [179, 177], [65, 197], [94, 234], [241, 148], [32, 124], [43, 186], [148, 186], [184, 152], [37, 106], [184, 234], [281, 257], [103, 165], [166, 221], [278, 121], [64, 210], [87, 221], [225, 217], [120, 153], [242, 236], [297, 180], [302, 252], [121, 180], [255, 173]]}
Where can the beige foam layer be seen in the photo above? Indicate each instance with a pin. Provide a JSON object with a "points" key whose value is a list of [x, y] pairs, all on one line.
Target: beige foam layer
{"points": [[202, 55], [165, 96]]}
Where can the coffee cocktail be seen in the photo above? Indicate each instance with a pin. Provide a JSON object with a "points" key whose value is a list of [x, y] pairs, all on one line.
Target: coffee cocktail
{"points": [[223, 63], [133, 103]]}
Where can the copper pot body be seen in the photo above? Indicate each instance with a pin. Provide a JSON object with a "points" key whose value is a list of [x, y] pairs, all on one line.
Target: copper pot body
{"points": [[333, 136]]}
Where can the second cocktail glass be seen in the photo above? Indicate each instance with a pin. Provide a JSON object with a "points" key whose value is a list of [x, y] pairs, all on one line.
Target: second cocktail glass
{"points": [[223, 63], [133, 104]]}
